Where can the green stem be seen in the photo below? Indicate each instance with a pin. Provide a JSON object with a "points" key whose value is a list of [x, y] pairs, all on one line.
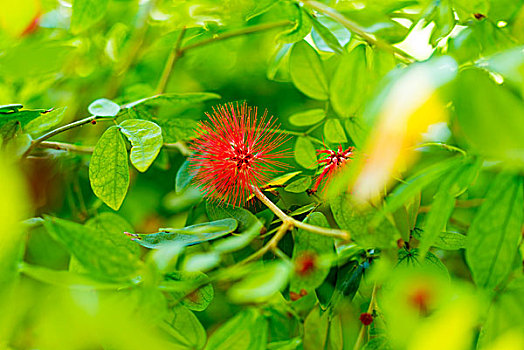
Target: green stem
{"points": [[359, 30], [291, 222], [174, 55]]}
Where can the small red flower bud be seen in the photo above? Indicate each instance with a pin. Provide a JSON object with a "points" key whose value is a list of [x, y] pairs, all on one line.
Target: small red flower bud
{"points": [[366, 318], [303, 292], [400, 243], [294, 296], [305, 264], [93, 122]]}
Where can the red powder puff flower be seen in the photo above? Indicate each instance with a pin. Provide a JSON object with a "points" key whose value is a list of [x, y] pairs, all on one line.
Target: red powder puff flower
{"points": [[334, 161], [234, 151]]}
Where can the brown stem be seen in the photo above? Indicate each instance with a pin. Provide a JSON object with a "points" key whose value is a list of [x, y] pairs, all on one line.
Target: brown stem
{"points": [[291, 222]]}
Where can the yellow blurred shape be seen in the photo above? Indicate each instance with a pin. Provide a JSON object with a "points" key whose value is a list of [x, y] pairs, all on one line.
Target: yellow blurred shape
{"points": [[17, 15], [511, 340], [450, 328], [410, 107]]}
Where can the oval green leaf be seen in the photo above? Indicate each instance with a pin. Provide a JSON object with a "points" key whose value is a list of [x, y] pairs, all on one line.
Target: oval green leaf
{"points": [[103, 108], [100, 255], [350, 81], [334, 132], [307, 72], [305, 153], [307, 118], [108, 169]]}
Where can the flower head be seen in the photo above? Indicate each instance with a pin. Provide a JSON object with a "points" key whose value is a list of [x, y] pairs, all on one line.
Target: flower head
{"points": [[333, 162], [234, 151]]}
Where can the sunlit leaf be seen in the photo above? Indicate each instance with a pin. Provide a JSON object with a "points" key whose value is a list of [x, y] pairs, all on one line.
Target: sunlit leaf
{"points": [[146, 141]]}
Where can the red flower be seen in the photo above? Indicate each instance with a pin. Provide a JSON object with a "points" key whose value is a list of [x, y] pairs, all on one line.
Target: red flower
{"points": [[334, 161], [234, 151]]}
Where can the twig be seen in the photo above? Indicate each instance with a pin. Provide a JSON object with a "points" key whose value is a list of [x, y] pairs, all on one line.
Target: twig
{"points": [[359, 30]]}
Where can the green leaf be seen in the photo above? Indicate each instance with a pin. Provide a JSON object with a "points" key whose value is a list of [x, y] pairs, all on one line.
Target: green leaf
{"points": [[441, 209], [68, 279], [315, 246], [186, 328], [358, 219], [334, 132], [479, 104], [186, 236], [495, 232], [356, 130], [350, 82], [45, 121], [86, 13], [174, 98], [306, 118], [178, 129], [112, 226], [262, 283], [450, 241], [146, 141], [307, 72], [102, 256], [411, 188], [183, 177], [323, 35], [240, 241], [103, 108], [305, 153], [197, 300], [23, 117], [248, 330], [108, 169], [300, 17], [245, 218], [300, 185], [316, 327]]}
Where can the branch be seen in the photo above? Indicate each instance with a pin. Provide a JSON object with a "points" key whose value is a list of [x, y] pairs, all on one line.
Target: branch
{"points": [[291, 222], [359, 30]]}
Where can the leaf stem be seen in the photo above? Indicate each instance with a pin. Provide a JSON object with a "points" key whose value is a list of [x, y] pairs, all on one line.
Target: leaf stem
{"points": [[359, 30], [291, 222]]}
